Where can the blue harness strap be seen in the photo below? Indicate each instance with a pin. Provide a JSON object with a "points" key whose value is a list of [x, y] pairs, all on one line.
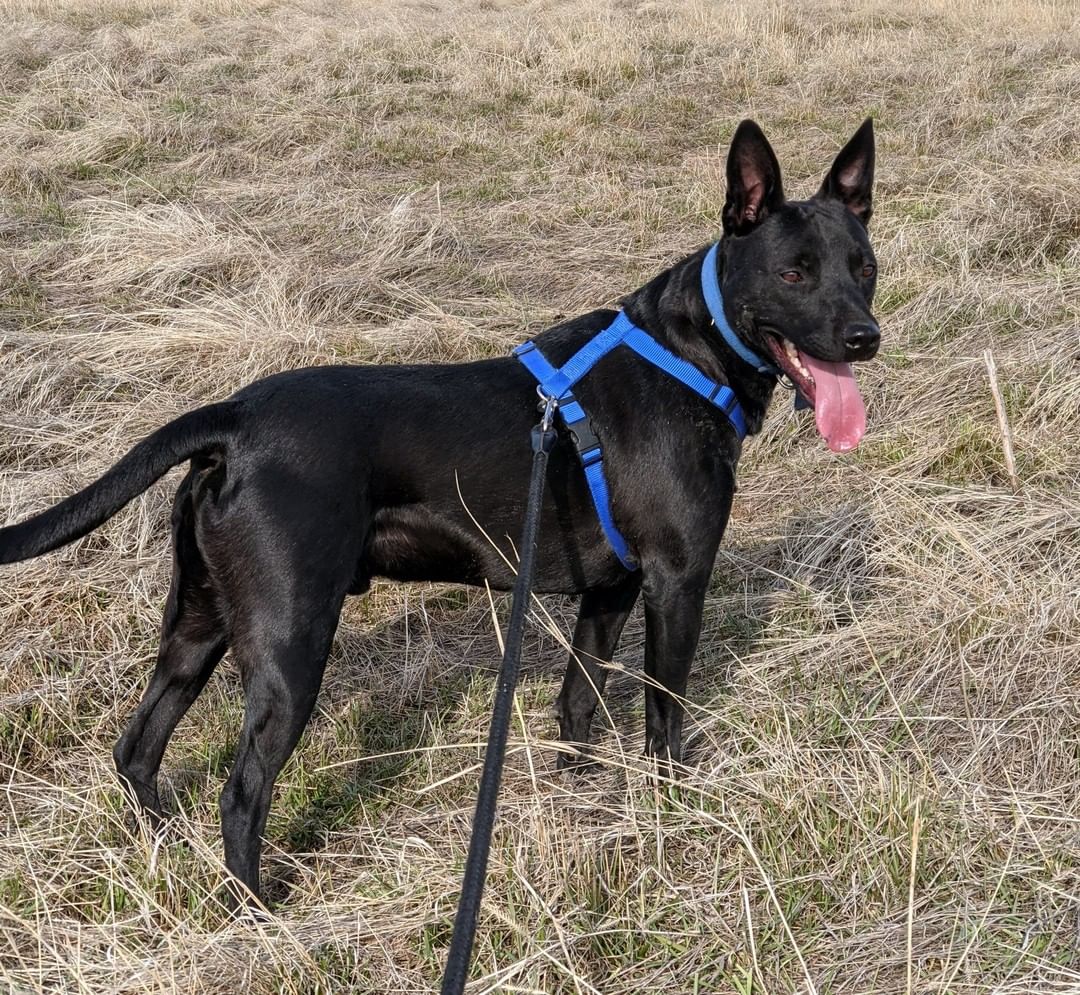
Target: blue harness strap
{"points": [[558, 382], [686, 373]]}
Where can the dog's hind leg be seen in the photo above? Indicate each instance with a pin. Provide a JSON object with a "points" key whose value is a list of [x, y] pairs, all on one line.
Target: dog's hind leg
{"points": [[282, 664], [601, 618], [192, 643], [285, 551]]}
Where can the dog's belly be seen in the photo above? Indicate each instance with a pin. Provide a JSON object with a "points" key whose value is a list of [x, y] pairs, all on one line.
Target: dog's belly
{"points": [[418, 543], [414, 543]]}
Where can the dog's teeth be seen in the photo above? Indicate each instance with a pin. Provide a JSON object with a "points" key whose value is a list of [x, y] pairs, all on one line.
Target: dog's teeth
{"points": [[793, 354]]}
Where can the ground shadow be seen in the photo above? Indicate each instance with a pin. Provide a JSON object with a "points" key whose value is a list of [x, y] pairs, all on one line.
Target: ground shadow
{"points": [[401, 677]]}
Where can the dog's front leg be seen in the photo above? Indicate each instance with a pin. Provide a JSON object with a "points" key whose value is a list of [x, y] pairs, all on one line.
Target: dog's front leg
{"points": [[673, 607], [601, 618]]}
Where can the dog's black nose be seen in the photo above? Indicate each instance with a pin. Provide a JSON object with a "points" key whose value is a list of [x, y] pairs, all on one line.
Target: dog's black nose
{"points": [[862, 338]]}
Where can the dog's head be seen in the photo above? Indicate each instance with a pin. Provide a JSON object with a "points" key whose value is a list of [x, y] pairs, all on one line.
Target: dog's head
{"points": [[799, 276]]}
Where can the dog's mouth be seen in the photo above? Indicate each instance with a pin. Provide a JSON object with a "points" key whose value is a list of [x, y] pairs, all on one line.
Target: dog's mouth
{"points": [[830, 388]]}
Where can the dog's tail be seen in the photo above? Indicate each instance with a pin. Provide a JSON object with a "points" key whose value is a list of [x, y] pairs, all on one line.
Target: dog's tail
{"points": [[200, 431]]}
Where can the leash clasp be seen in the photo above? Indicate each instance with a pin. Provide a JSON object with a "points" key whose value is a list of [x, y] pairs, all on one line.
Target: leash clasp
{"points": [[548, 404]]}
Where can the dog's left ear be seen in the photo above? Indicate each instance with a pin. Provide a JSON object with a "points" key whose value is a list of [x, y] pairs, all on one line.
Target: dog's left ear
{"points": [[851, 178]]}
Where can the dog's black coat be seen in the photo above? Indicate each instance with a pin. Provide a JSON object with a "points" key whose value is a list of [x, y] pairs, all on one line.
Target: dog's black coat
{"points": [[304, 486]]}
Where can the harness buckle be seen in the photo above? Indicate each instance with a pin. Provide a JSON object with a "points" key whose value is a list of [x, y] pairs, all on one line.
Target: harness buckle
{"points": [[582, 434]]}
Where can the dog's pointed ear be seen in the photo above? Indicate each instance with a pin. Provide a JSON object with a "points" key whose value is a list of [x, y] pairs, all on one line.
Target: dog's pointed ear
{"points": [[851, 178], [754, 188]]}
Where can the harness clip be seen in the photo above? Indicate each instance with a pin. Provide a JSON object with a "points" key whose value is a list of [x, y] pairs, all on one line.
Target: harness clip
{"points": [[548, 404]]}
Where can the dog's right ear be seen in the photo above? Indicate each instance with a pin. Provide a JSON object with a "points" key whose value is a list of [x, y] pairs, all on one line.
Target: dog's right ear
{"points": [[754, 189]]}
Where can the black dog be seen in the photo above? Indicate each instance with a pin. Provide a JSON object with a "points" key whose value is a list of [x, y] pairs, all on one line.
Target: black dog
{"points": [[305, 485]]}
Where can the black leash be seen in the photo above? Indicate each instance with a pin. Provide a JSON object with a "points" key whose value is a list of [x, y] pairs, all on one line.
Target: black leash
{"points": [[472, 885]]}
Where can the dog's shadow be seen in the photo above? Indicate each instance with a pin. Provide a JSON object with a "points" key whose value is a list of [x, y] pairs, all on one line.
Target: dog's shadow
{"points": [[819, 571], [440, 642], [834, 557], [396, 682]]}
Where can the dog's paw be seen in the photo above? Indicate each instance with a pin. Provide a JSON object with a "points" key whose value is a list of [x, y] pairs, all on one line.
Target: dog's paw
{"points": [[667, 765], [242, 907], [577, 758], [152, 823]]}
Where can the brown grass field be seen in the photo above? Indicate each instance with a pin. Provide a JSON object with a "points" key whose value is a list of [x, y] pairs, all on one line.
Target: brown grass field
{"points": [[885, 734]]}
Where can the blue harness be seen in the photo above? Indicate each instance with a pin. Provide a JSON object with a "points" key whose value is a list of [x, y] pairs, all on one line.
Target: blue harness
{"points": [[559, 382]]}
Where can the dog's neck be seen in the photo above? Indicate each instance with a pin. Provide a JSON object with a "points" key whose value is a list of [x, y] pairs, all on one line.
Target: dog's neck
{"points": [[672, 309]]}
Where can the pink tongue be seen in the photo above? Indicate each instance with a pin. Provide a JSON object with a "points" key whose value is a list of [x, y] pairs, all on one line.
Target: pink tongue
{"points": [[838, 405]]}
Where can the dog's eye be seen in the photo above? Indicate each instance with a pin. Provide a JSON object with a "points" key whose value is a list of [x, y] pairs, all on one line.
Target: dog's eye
{"points": [[791, 276], [868, 271]]}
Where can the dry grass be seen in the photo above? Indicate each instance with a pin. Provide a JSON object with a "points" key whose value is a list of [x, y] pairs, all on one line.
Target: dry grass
{"points": [[196, 195]]}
